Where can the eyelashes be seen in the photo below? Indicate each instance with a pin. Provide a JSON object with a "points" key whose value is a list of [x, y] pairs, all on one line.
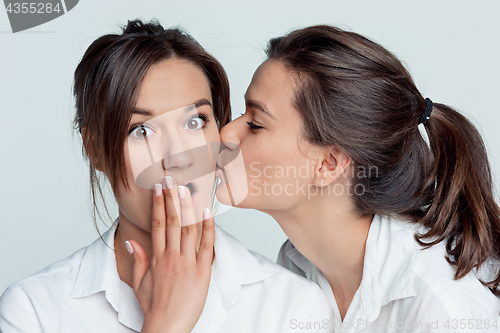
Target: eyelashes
{"points": [[254, 126], [145, 131], [194, 121]]}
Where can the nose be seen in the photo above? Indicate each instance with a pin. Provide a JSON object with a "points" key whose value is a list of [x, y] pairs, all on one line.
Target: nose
{"points": [[231, 132], [179, 152], [179, 160], [230, 137]]}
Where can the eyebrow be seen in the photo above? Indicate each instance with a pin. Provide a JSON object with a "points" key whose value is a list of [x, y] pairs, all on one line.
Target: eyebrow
{"points": [[258, 106], [189, 108]]}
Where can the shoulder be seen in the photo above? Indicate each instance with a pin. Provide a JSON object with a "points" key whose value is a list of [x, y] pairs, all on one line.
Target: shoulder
{"points": [[21, 301], [252, 265], [435, 284], [300, 295], [299, 300], [281, 273], [49, 280], [54, 275], [285, 294], [16, 311]]}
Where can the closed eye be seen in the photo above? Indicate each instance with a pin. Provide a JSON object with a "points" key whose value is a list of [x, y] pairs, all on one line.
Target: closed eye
{"points": [[254, 126]]}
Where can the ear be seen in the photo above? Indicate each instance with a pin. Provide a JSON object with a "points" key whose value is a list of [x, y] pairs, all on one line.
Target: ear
{"points": [[94, 160], [332, 164]]}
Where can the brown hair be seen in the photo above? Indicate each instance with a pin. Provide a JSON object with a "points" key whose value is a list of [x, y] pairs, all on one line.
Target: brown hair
{"points": [[106, 88], [356, 95]]}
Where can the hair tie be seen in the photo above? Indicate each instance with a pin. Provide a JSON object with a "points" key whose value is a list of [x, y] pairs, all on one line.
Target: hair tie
{"points": [[428, 110]]}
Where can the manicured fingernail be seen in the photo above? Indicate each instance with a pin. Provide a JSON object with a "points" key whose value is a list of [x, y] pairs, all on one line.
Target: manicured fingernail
{"points": [[206, 214], [158, 189], [129, 247], [169, 181], [182, 191]]}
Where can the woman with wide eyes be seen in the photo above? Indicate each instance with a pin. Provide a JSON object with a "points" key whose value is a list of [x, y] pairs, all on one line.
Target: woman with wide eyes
{"points": [[401, 234], [149, 104]]}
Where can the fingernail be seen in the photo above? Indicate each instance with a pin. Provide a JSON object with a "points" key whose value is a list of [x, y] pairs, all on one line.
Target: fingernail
{"points": [[182, 191], [158, 189], [206, 214], [169, 181], [129, 247]]}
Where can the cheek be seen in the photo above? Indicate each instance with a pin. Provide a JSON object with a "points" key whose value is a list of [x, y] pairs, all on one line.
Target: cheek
{"points": [[270, 158], [280, 168], [278, 175], [212, 133], [135, 205]]}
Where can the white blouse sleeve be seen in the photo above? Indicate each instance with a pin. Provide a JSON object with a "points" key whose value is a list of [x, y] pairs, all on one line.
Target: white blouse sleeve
{"points": [[17, 314]]}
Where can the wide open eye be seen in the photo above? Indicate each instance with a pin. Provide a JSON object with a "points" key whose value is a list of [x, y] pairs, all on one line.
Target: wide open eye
{"points": [[140, 132], [195, 123]]}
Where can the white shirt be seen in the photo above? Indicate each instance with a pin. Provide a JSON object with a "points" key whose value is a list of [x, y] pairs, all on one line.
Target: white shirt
{"points": [[405, 288], [83, 293]]}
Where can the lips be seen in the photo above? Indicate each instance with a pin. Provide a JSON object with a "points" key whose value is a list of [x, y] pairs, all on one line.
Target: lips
{"points": [[190, 187]]}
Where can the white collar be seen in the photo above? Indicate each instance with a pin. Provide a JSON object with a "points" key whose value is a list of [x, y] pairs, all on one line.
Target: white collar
{"points": [[387, 266], [98, 273], [233, 267]]}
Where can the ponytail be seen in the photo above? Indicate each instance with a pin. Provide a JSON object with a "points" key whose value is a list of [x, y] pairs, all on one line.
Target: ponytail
{"points": [[463, 210]]}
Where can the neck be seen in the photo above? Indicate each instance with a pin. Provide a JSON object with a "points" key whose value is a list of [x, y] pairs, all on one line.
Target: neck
{"points": [[327, 231], [126, 231]]}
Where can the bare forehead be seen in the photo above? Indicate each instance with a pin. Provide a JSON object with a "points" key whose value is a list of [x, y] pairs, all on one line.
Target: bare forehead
{"points": [[272, 68], [272, 81], [171, 84], [174, 71]]}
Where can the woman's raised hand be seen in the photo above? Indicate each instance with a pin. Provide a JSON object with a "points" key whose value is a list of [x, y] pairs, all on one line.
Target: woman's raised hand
{"points": [[172, 285]]}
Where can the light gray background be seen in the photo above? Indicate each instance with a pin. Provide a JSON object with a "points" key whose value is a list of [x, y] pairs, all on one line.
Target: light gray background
{"points": [[450, 47]]}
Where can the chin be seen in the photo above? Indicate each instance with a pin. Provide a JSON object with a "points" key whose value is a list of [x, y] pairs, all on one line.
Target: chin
{"points": [[222, 195], [232, 195], [225, 198]]}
